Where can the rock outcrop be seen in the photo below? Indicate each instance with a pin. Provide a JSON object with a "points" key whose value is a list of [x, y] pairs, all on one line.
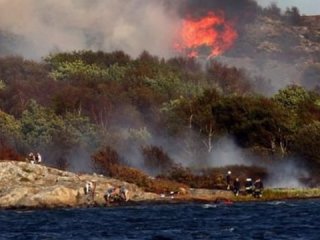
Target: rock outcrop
{"points": [[25, 185]]}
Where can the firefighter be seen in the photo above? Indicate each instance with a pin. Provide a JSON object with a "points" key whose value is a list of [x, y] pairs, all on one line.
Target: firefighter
{"points": [[258, 188], [236, 186], [228, 180]]}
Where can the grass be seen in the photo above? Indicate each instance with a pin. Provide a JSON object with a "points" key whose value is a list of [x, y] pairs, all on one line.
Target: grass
{"points": [[270, 194], [282, 193]]}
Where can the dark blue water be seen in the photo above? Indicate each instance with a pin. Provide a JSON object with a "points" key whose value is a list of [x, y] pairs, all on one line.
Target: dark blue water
{"points": [[270, 220]]}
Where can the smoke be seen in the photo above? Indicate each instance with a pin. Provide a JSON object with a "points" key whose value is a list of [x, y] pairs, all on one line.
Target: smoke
{"points": [[226, 153], [247, 9], [37, 28], [286, 174], [78, 160], [49, 25], [132, 26], [282, 173]]}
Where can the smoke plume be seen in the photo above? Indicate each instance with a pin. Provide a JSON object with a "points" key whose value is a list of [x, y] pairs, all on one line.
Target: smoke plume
{"points": [[132, 26], [49, 25]]}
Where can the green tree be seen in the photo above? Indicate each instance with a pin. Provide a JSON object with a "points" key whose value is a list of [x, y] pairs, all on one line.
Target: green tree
{"points": [[300, 103], [291, 97], [253, 120], [10, 132], [78, 70], [307, 142], [39, 125]]}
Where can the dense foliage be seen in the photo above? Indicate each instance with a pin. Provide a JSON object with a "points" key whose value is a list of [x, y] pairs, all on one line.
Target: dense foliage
{"points": [[148, 113]]}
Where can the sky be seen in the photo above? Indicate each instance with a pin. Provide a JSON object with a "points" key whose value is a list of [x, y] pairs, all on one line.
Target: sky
{"points": [[306, 7]]}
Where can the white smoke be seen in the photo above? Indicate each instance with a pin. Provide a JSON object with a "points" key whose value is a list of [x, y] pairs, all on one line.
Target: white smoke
{"points": [[286, 174], [50, 25], [226, 152], [282, 173]]}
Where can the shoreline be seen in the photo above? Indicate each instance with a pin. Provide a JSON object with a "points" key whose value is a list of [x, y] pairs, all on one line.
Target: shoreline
{"points": [[25, 186], [150, 202]]}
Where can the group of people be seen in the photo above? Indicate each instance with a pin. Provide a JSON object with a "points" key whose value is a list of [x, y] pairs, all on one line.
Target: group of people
{"points": [[255, 188], [34, 158], [113, 194], [116, 194]]}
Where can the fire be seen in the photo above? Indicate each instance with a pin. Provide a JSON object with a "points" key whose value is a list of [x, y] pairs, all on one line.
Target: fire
{"points": [[212, 32]]}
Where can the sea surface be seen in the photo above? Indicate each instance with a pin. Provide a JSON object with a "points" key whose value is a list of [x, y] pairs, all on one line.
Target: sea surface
{"points": [[267, 220]]}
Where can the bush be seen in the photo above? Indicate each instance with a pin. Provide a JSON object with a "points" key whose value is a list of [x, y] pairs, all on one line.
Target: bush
{"points": [[8, 153], [306, 143], [105, 160], [156, 160]]}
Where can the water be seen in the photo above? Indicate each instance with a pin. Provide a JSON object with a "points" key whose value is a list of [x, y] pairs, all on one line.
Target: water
{"points": [[268, 220]]}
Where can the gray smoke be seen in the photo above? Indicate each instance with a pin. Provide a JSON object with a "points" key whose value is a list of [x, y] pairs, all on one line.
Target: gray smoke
{"points": [[50, 25], [282, 173], [132, 26], [226, 153], [286, 174]]}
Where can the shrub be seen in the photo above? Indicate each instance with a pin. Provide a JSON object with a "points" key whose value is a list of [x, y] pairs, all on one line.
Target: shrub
{"points": [[155, 159], [8, 153]]}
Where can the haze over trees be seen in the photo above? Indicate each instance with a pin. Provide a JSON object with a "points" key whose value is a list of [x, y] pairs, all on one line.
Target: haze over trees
{"points": [[97, 111]]}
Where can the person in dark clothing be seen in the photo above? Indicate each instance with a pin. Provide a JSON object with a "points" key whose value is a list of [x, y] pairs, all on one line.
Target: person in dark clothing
{"points": [[258, 187], [236, 186], [228, 180]]}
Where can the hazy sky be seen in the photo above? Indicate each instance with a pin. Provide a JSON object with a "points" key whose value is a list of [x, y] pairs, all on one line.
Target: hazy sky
{"points": [[307, 7]]}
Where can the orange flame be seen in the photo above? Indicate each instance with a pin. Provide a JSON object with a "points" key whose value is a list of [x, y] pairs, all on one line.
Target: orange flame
{"points": [[212, 32]]}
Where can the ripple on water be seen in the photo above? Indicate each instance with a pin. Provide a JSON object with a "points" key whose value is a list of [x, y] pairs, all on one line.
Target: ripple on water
{"points": [[270, 220]]}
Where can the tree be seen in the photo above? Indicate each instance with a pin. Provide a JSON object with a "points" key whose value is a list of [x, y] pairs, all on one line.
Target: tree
{"points": [[10, 128], [105, 160], [253, 120], [39, 125], [156, 160], [291, 97], [272, 11], [78, 70], [229, 79], [10, 137], [307, 142], [300, 103], [292, 16], [202, 119]]}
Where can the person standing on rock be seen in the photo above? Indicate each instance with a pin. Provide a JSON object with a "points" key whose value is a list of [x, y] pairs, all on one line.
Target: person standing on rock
{"points": [[124, 193], [93, 190], [88, 188], [31, 158], [89, 191], [38, 158]]}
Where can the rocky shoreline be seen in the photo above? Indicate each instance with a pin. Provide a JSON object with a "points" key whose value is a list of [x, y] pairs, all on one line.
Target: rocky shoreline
{"points": [[27, 186]]}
